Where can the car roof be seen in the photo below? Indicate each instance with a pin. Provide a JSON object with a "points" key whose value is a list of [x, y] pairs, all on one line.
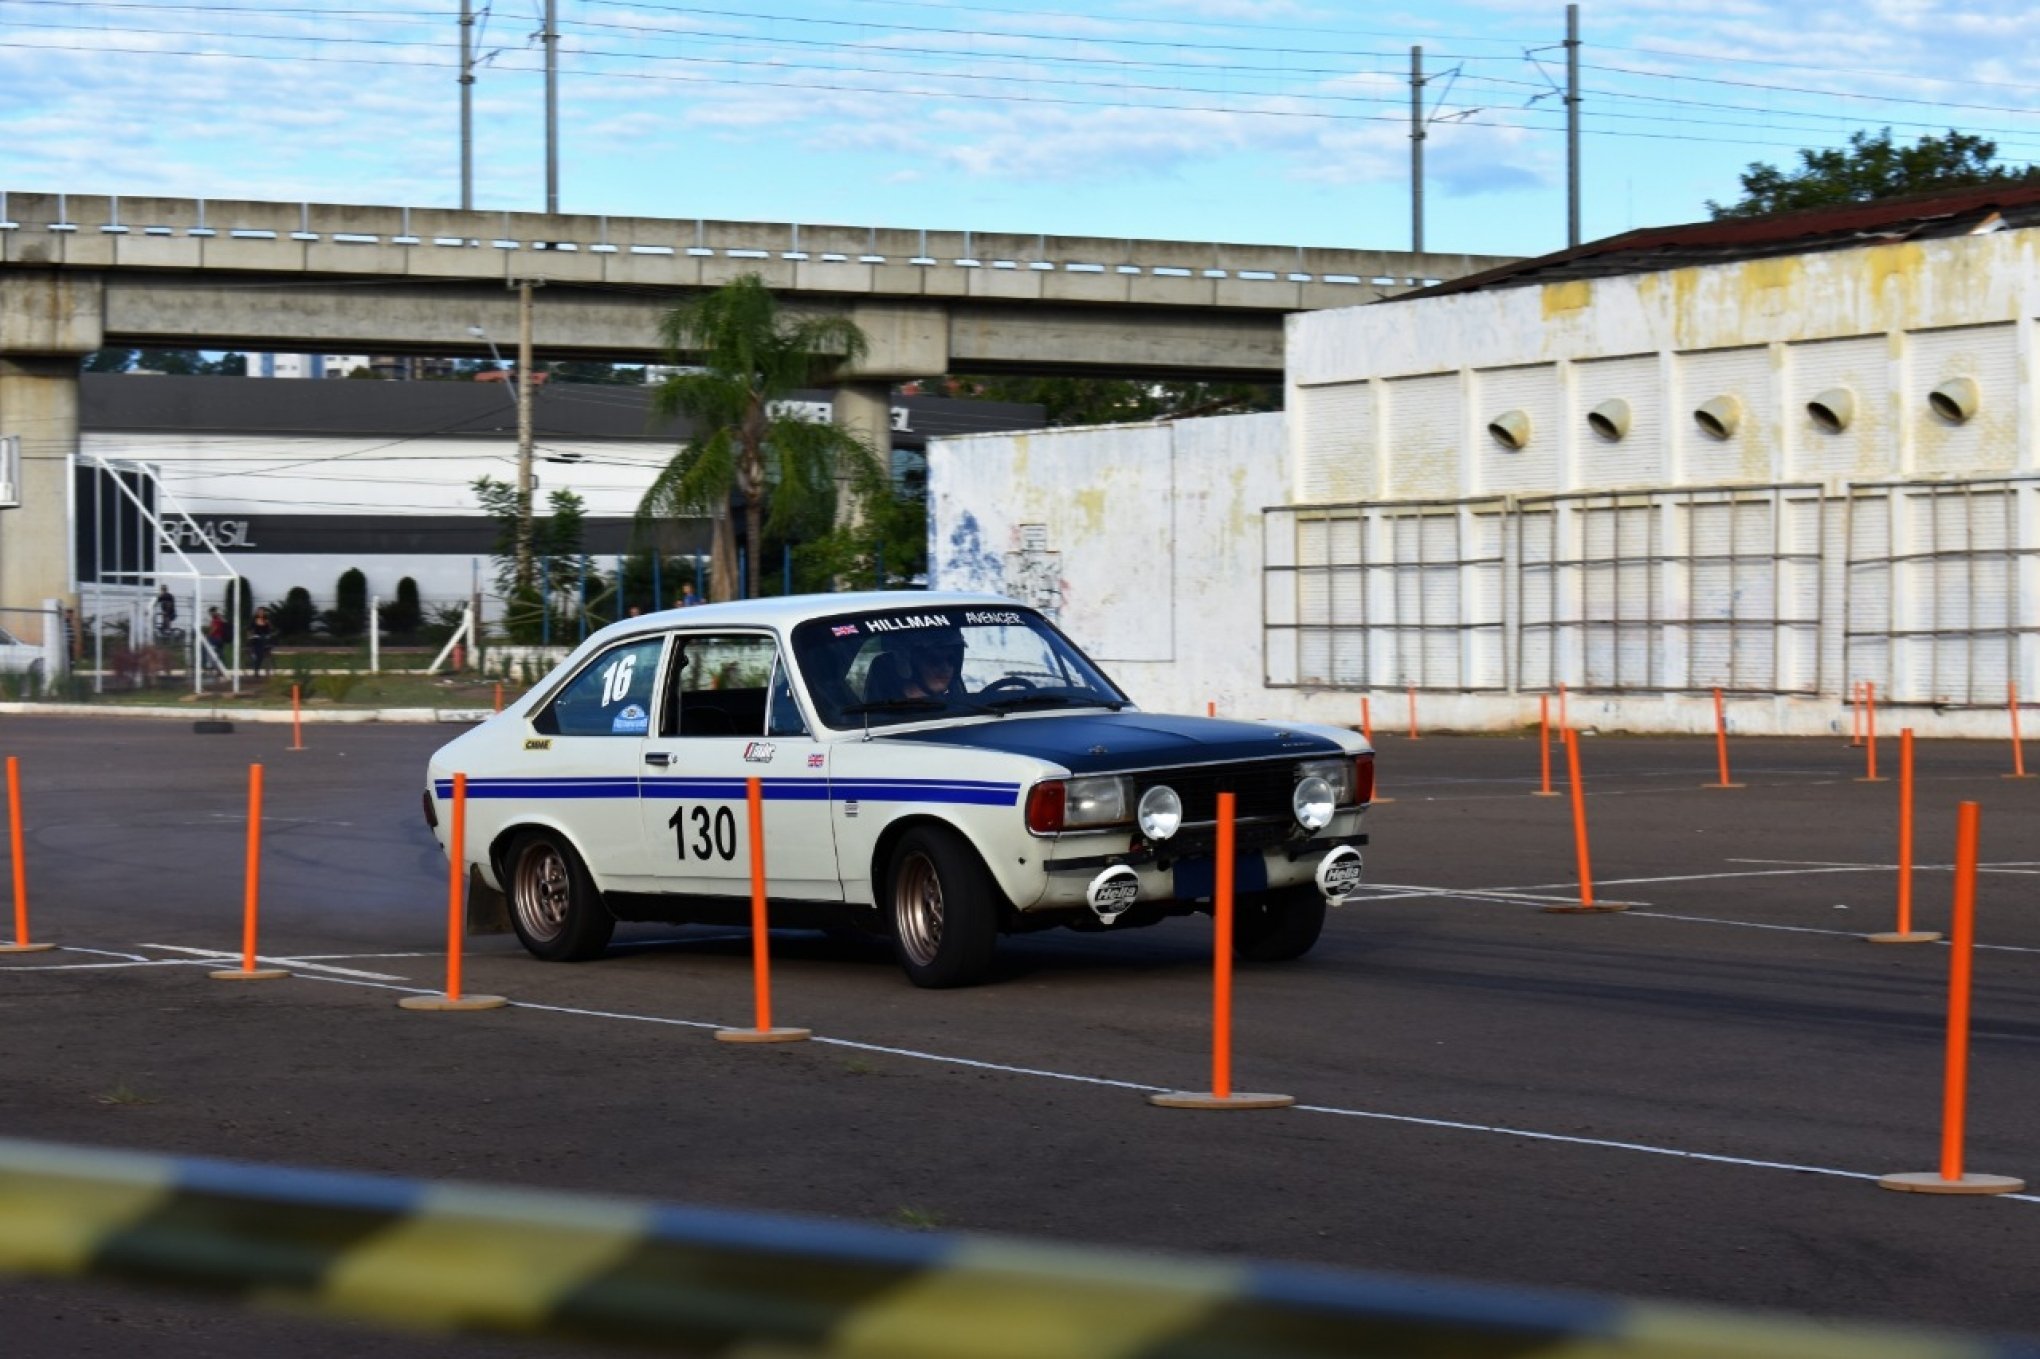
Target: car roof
{"points": [[784, 612]]}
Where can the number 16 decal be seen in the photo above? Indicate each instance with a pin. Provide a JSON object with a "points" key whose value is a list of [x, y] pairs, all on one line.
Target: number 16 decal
{"points": [[715, 833]]}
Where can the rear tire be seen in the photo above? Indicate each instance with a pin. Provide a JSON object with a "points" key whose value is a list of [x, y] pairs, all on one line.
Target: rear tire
{"points": [[554, 907], [942, 909], [1273, 927]]}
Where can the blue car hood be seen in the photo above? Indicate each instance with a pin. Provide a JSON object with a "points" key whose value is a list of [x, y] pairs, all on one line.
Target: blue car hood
{"points": [[1107, 742]]}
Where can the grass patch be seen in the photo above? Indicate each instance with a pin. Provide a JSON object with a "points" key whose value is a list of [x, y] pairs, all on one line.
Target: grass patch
{"points": [[915, 1219]]}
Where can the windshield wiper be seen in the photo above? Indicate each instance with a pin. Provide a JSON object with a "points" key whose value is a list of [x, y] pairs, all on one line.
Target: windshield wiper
{"points": [[1053, 700]]}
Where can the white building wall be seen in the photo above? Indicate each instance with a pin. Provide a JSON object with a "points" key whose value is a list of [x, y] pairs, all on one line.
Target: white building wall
{"points": [[1143, 541], [1781, 560]]}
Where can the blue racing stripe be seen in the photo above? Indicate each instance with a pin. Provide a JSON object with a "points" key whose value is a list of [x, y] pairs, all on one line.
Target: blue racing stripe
{"points": [[957, 792]]}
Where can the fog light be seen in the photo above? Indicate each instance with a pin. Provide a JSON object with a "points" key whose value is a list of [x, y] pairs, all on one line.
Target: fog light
{"points": [[1160, 812], [1312, 801]]}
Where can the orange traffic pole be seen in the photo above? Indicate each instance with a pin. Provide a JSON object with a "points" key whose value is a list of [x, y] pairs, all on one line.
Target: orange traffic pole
{"points": [[252, 893], [761, 947], [2018, 746], [499, 696], [1413, 713], [1721, 745], [1955, 1079], [1870, 732], [297, 731], [456, 899], [1905, 933], [1221, 955], [1544, 744], [1211, 707], [1221, 1095], [21, 943], [1579, 816], [1367, 719]]}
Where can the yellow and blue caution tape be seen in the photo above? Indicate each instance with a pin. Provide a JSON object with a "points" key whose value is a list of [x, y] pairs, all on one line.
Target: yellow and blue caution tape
{"points": [[708, 1282]]}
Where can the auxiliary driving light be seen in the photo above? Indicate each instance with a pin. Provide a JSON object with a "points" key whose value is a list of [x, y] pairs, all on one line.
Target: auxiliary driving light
{"points": [[1312, 801], [1160, 813]]}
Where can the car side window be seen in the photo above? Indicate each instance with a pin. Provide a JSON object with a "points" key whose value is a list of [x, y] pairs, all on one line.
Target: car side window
{"points": [[783, 717], [718, 685], [612, 696]]}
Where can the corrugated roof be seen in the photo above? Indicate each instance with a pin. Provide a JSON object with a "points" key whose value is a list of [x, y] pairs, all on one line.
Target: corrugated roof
{"points": [[1964, 212]]}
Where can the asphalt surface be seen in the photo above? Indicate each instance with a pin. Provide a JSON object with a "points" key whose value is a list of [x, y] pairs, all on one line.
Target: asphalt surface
{"points": [[1687, 1100]]}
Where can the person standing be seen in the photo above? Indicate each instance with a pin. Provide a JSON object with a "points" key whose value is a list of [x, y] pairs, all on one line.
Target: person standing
{"points": [[261, 641]]}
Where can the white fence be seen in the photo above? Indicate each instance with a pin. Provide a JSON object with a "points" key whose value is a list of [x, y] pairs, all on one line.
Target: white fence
{"points": [[1931, 590]]}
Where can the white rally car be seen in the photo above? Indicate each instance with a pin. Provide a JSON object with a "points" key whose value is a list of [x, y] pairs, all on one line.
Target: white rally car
{"points": [[939, 768]]}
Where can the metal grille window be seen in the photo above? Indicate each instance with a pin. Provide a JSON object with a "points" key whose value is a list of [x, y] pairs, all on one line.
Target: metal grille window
{"points": [[1671, 591], [1387, 595], [1932, 612]]}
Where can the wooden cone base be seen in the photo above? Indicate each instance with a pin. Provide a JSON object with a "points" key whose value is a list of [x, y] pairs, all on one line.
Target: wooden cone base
{"points": [[1930, 1182], [1907, 937], [443, 1002], [2019, 776], [26, 948], [1867, 779], [1726, 785], [772, 1035], [1193, 1099], [1596, 909], [248, 974]]}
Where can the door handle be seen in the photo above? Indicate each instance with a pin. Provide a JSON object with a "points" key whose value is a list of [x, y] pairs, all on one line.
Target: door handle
{"points": [[658, 757]]}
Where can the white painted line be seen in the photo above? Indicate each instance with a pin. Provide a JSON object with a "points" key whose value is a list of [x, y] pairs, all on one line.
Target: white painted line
{"points": [[1041, 1073], [107, 967], [1411, 889], [294, 964], [1813, 863], [1808, 929], [352, 957]]}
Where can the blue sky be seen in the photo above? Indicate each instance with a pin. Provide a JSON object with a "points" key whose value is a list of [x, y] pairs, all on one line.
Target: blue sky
{"points": [[1264, 121]]}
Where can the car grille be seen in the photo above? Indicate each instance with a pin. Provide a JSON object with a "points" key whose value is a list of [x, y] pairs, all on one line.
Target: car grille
{"points": [[1263, 788]]}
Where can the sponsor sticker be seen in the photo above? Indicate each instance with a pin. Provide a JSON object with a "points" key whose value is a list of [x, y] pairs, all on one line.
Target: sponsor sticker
{"points": [[992, 619], [759, 752], [909, 622], [1112, 891], [538, 743], [817, 761], [631, 721]]}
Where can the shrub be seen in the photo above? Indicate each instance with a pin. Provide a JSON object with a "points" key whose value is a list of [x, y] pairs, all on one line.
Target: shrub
{"points": [[295, 615], [349, 615], [403, 615]]}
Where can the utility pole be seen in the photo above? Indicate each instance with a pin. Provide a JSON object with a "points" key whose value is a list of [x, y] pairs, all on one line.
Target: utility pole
{"points": [[467, 105], [1417, 150], [1572, 125], [524, 488], [551, 38]]}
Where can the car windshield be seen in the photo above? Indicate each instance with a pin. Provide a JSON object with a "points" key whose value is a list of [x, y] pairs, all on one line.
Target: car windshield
{"points": [[911, 665]]}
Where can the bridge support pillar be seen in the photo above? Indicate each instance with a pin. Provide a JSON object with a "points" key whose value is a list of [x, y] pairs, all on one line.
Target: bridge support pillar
{"points": [[49, 321], [863, 408]]}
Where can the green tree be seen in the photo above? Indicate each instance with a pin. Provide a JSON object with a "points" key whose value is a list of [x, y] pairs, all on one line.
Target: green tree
{"points": [[745, 443], [177, 362], [886, 545], [349, 615], [404, 615], [550, 602], [111, 360], [1872, 167], [604, 374]]}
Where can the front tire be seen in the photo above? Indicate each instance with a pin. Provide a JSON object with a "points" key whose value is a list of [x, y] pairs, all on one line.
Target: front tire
{"points": [[554, 907], [942, 908], [1273, 927]]}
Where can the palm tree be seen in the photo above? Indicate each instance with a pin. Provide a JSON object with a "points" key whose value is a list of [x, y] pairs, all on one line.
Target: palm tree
{"points": [[744, 441]]}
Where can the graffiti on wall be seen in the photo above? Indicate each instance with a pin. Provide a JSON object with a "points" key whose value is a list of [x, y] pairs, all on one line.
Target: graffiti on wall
{"points": [[1034, 573]]}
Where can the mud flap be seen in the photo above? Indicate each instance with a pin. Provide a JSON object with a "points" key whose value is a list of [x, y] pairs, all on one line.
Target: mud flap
{"points": [[488, 911]]}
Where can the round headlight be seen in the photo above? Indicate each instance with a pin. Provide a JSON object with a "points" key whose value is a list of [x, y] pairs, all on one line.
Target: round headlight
{"points": [[1313, 801], [1160, 812]]}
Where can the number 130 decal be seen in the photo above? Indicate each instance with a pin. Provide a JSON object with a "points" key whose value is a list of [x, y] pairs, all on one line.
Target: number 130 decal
{"points": [[715, 833]]}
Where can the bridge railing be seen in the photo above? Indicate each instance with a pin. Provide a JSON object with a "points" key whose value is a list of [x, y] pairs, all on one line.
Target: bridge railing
{"points": [[111, 230]]}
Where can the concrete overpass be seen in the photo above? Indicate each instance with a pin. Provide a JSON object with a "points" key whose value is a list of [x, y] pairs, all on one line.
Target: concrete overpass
{"points": [[81, 272]]}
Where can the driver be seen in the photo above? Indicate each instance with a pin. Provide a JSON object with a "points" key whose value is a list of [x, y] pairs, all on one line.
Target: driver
{"points": [[934, 663]]}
